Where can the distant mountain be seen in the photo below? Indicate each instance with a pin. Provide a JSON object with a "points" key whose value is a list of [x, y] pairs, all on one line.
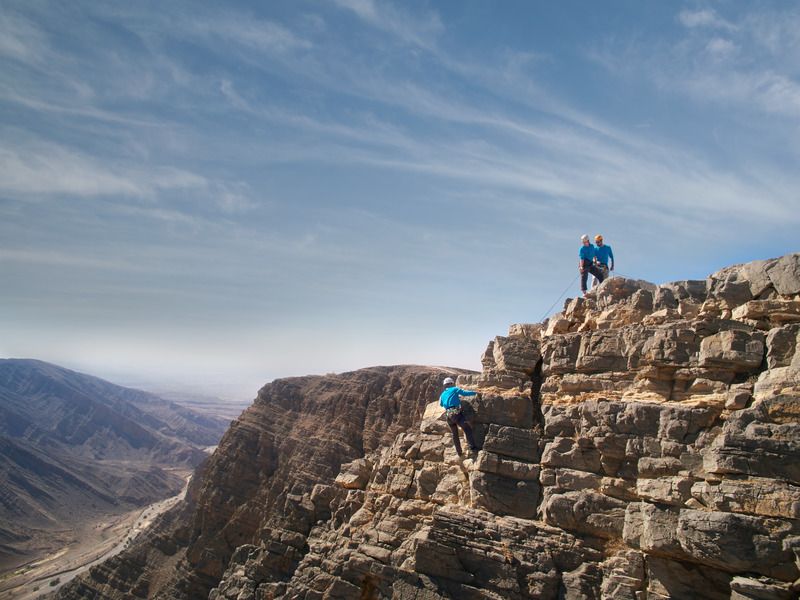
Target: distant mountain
{"points": [[73, 446]]}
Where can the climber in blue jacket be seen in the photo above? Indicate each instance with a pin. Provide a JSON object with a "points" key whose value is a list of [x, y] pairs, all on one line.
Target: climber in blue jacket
{"points": [[586, 256], [603, 256], [450, 400]]}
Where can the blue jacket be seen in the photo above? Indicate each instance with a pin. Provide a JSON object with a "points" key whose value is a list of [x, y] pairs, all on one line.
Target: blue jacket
{"points": [[450, 396], [603, 254], [587, 252]]}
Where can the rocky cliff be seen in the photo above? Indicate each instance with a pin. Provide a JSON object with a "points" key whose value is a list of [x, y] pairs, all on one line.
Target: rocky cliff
{"points": [[642, 443], [256, 488]]}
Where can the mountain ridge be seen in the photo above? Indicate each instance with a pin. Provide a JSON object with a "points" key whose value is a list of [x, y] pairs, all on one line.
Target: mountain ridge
{"points": [[76, 446]]}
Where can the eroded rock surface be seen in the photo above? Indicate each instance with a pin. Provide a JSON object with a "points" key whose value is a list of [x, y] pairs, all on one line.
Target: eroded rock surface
{"points": [[642, 443]]}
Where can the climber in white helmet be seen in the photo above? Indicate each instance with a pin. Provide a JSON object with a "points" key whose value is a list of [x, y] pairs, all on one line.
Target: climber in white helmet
{"points": [[450, 400], [586, 264]]}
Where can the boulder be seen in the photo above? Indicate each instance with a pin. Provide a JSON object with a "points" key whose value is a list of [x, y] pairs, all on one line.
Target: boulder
{"points": [[738, 350], [569, 453], [782, 344], [785, 274], [668, 579], [512, 411], [739, 396], [777, 381], [487, 359], [725, 541], [729, 287], [586, 511], [560, 353], [503, 495], [529, 331], [768, 313], [517, 353], [569, 480], [664, 298], [696, 289], [615, 290], [763, 588], [601, 351], [674, 491], [433, 420], [670, 347], [489, 462], [762, 441], [755, 274], [754, 496], [623, 575], [513, 442]]}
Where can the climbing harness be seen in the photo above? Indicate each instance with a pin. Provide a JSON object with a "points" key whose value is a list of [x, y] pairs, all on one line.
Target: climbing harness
{"points": [[452, 412]]}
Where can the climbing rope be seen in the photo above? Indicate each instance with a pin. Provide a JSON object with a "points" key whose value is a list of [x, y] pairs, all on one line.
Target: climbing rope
{"points": [[571, 283], [566, 289]]}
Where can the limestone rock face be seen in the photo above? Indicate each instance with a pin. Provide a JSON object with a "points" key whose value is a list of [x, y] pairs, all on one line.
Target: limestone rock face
{"points": [[258, 496], [642, 443]]}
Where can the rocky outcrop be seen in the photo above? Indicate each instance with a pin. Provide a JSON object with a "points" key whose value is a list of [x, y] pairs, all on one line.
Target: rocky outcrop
{"points": [[665, 466], [642, 443]]}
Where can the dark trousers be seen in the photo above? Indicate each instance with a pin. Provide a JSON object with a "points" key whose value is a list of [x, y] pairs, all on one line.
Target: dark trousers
{"points": [[454, 422], [590, 268]]}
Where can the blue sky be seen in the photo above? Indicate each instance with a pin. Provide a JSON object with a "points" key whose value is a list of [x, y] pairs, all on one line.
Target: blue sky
{"points": [[224, 194]]}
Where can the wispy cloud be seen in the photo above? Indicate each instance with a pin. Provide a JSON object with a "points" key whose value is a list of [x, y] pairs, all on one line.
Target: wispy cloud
{"points": [[704, 18], [20, 39], [418, 30], [767, 91], [48, 168], [747, 62], [721, 47], [257, 34], [61, 259]]}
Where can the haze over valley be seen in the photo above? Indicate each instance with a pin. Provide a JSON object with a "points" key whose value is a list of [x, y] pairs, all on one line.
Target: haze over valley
{"points": [[78, 451]]}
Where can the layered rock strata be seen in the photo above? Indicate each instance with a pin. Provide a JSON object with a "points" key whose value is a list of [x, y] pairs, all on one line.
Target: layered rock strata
{"points": [[256, 488], [642, 443]]}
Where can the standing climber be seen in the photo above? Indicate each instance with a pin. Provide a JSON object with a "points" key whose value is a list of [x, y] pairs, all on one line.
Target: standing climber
{"points": [[451, 402], [586, 256], [603, 257]]}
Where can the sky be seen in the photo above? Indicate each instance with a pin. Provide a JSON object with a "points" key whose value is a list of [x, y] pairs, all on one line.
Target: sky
{"points": [[218, 194]]}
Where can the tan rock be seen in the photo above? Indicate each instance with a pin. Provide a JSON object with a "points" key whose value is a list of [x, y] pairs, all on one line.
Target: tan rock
{"points": [[739, 396], [674, 491], [586, 512], [755, 496], [739, 350], [785, 274], [516, 354], [769, 313], [557, 325], [530, 331], [782, 345]]}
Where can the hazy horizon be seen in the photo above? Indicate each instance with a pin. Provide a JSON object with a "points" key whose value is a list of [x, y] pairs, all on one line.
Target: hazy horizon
{"points": [[216, 196]]}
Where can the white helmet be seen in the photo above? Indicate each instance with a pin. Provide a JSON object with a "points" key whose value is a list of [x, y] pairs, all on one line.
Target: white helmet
{"points": [[448, 381], [584, 238]]}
